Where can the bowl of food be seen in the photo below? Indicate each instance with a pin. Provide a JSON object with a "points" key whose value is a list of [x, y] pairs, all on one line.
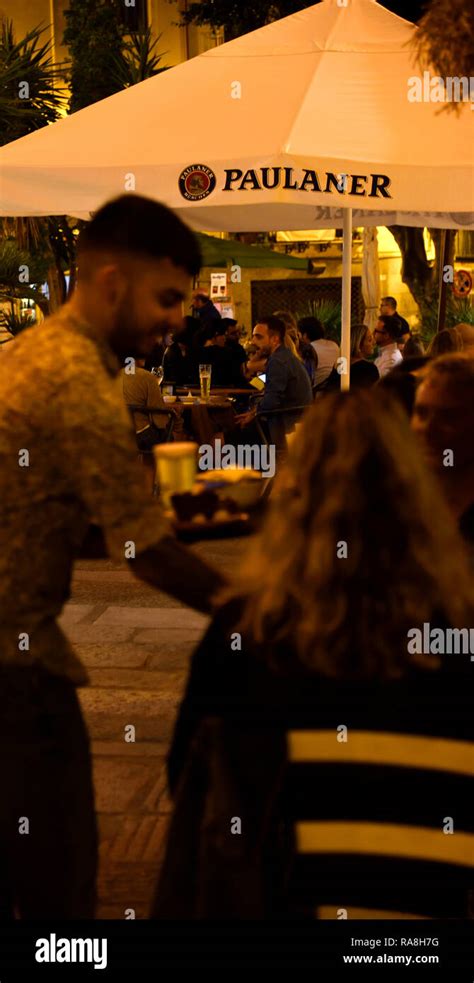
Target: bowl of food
{"points": [[169, 399], [243, 486]]}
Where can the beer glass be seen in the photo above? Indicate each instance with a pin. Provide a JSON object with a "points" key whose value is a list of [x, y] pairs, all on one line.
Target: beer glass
{"points": [[205, 381], [176, 466]]}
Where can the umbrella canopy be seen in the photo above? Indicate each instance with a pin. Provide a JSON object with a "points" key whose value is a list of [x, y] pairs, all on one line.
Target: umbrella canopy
{"points": [[309, 113]]}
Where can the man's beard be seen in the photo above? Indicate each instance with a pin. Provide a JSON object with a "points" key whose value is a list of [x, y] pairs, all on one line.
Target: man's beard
{"points": [[126, 340]]}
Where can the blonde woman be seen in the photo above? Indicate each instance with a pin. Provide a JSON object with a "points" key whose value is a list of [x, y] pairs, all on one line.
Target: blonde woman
{"points": [[294, 341], [357, 553]]}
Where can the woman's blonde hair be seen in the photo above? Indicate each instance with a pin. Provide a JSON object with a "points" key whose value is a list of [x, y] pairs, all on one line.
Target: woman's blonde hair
{"points": [[357, 548], [291, 334]]}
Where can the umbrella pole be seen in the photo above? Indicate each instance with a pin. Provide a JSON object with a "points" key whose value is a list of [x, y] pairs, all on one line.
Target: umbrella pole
{"points": [[346, 297], [446, 258]]}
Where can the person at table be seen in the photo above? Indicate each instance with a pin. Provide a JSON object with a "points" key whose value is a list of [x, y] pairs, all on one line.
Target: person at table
{"points": [[363, 372], [68, 461], [287, 382], [327, 351], [204, 310], [232, 339], [179, 362], [388, 305], [140, 388], [226, 365], [387, 334], [304, 644]]}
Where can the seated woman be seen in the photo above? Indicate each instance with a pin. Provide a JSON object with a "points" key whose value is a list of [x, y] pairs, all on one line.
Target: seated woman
{"points": [[322, 760], [363, 372]]}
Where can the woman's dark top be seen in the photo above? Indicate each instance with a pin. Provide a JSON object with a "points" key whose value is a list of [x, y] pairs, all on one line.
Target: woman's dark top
{"points": [[236, 685]]}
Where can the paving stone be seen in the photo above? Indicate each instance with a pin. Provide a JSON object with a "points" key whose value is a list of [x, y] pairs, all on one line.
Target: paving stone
{"points": [[109, 912], [137, 838], [132, 787], [137, 749], [169, 681], [130, 885], [169, 639], [108, 713], [107, 632], [123, 655], [137, 644], [72, 613], [124, 576], [176, 657], [140, 617]]}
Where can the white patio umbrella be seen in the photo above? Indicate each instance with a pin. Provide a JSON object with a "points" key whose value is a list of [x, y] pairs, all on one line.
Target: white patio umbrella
{"points": [[370, 276], [265, 132]]}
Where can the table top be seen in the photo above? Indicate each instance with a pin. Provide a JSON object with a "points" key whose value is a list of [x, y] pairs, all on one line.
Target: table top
{"points": [[224, 391]]}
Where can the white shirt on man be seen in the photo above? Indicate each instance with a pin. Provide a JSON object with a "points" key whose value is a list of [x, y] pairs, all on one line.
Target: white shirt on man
{"points": [[327, 352], [390, 356]]}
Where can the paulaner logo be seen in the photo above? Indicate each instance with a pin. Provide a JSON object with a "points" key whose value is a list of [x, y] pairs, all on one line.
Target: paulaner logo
{"points": [[292, 179], [440, 641], [54, 950]]}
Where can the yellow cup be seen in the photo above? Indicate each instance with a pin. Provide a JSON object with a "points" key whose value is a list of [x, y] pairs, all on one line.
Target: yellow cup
{"points": [[176, 466]]}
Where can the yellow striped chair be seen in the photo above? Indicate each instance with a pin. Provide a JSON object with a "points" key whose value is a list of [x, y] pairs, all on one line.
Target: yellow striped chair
{"points": [[383, 824]]}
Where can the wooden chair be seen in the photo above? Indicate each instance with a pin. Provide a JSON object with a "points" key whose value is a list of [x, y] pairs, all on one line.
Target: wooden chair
{"points": [[147, 458]]}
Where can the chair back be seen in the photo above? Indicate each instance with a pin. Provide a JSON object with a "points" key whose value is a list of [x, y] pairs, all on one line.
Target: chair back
{"points": [[382, 823]]}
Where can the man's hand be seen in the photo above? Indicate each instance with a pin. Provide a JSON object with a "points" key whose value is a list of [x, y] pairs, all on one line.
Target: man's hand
{"points": [[243, 419]]}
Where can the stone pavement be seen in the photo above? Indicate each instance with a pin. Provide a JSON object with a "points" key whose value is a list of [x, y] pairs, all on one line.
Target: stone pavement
{"points": [[136, 644]]}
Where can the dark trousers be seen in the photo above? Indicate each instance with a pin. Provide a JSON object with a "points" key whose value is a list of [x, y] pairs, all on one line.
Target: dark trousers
{"points": [[45, 788], [147, 439]]}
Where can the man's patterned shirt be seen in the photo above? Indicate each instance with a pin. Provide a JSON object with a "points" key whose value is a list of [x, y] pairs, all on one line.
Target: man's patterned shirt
{"points": [[68, 458]]}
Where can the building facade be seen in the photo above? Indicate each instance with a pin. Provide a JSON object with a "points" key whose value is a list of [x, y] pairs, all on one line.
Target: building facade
{"points": [[163, 16]]}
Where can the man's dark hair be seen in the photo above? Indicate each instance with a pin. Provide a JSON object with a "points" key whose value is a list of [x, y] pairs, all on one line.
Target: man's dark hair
{"points": [[391, 301], [402, 386], [392, 325], [137, 225], [312, 327], [275, 326], [217, 328], [228, 322]]}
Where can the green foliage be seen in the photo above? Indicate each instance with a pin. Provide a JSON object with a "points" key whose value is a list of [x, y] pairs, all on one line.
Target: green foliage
{"points": [[93, 36], [13, 322], [459, 310], [29, 94], [104, 59], [238, 17], [138, 60], [328, 312], [16, 262]]}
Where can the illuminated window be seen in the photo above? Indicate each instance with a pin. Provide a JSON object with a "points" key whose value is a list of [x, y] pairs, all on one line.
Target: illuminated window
{"points": [[135, 16]]}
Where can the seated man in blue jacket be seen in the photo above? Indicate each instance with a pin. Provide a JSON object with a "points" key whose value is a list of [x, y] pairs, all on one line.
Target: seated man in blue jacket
{"points": [[287, 382]]}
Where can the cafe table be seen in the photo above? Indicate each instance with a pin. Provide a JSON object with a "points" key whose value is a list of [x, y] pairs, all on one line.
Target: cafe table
{"points": [[203, 420]]}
